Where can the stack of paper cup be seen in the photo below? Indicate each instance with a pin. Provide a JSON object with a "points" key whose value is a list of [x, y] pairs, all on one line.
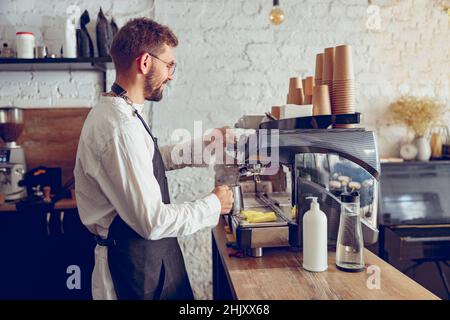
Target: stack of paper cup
{"points": [[295, 95], [330, 91], [319, 69], [321, 101], [327, 69], [343, 95], [308, 88]]}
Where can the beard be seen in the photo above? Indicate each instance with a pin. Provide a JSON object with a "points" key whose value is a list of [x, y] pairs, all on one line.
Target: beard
{"points": [[153, 91]]}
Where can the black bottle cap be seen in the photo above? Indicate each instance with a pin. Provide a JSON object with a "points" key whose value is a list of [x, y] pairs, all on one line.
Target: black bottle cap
{"points": [[350, 197]]}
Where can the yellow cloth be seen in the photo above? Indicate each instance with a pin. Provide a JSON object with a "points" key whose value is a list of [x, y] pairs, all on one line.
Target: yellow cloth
{"points": [[294, 212], [257, 216]]}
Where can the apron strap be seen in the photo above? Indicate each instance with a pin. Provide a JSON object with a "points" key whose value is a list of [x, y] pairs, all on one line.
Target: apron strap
{"points": [[121, 92], [105, 242]]}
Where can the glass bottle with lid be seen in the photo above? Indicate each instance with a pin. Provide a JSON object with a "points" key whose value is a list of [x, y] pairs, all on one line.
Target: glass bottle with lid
{"points": [[350, 244]]}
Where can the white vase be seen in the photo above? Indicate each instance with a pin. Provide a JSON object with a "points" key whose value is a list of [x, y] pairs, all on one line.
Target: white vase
{"points": [[423, 149], [408, 151]]}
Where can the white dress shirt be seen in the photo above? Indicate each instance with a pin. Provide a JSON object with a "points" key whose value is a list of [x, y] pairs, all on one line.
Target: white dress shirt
{"points": [[114, 175]]}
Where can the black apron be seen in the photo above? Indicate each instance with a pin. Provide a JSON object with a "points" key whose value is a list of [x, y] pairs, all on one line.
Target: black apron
{"points": [[144, 269]]}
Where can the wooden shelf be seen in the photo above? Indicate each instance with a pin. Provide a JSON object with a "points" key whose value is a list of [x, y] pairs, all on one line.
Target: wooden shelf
{"points": [[443, 162]]}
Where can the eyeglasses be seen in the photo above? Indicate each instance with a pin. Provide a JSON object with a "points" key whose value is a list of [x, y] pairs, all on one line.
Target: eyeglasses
{"points": [[170, 65]]}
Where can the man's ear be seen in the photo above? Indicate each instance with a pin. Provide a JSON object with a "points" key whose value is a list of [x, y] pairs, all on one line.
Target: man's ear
{"points": [[144, 63]]}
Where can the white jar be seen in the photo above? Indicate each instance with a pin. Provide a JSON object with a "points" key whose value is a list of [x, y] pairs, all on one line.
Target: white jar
{"points": [[25, 45]]}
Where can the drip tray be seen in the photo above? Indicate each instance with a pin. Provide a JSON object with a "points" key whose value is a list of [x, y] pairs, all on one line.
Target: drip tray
{"points": [[264, 234]]}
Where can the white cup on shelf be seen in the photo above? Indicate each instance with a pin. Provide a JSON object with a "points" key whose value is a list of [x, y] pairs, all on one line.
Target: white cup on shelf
{"points": [[25, 45]]}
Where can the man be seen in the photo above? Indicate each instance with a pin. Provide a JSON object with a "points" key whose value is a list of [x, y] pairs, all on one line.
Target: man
{"points": [[121, 186]]}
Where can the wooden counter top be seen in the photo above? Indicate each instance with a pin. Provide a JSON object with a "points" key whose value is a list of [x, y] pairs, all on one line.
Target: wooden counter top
{"points": [[279, 275], [63, 204], [66, 204]]}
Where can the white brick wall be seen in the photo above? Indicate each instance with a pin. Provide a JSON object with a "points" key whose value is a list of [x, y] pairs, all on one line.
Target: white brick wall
{"points": [[233, 62], [46, 19]]}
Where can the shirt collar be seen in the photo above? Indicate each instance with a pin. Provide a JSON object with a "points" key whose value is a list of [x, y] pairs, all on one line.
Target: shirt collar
{"points": [[138, 107], [122, 104]]}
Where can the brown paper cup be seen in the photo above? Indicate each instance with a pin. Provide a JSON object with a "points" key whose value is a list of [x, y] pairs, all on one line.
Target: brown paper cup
{"points": [[296, 96], [309, 86], [321, 100], [294, 83], [343, 110], [308, 99], [328, 64], [343, 63], [299, 97], [330, 86], [319, 66], [276, 111]]}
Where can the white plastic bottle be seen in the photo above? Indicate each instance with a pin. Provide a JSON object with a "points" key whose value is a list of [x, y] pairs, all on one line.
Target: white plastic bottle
{"points": [[315, 236], [70, 40]]}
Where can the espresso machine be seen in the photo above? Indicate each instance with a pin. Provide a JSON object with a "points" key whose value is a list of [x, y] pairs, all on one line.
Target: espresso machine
{"points": [[323, 163], [12, 156]]}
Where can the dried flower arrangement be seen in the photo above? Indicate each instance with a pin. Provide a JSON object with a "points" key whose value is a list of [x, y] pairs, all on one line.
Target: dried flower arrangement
{"points": [[418, 114]]}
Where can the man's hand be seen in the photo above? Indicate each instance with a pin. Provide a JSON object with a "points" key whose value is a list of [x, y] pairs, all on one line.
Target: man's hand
{"points": [[225, 196]]}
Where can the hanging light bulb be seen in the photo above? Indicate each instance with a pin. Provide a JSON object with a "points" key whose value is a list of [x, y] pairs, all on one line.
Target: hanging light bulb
{"points": [[373, 21], [276, 14]]}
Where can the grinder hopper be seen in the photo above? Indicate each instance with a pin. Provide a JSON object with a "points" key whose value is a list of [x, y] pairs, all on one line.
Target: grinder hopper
{"points": [[11, 124]]}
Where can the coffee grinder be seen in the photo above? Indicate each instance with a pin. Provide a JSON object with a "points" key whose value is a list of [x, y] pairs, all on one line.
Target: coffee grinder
{"points": [[12, 156]]}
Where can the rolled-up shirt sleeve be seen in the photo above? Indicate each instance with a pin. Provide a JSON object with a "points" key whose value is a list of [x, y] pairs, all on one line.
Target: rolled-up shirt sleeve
{"points": [[126, 178], [174, 158]]}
